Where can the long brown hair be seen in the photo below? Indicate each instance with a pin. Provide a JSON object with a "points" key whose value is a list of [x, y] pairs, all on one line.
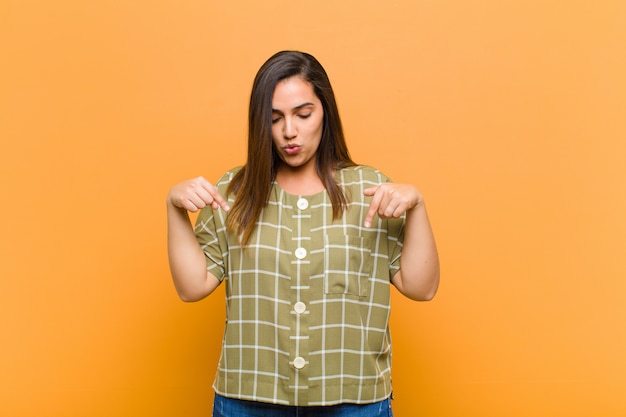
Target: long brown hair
{"points": [[253, 183]]}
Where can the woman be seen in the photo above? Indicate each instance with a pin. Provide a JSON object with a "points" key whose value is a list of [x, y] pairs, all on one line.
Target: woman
{"points": [[307, 243]]}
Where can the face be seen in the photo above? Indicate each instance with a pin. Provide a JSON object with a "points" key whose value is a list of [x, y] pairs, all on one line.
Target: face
{"points": [[297, 122]]}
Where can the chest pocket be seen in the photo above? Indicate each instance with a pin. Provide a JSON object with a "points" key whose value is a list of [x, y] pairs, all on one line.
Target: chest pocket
{"points": [[347, 265]]}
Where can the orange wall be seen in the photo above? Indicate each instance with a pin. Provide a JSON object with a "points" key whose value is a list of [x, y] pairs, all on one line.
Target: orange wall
{"points": [[509, 115]]}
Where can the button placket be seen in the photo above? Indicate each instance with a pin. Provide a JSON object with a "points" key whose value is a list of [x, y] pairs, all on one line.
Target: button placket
{"points": [[301, 212]]}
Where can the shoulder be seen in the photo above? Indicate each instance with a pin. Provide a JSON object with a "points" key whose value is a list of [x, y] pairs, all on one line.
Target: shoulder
{"points": [[227, 177], [361, 175]]}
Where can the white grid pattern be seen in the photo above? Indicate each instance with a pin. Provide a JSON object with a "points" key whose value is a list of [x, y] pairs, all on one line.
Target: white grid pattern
{"points": [[343, 280]]}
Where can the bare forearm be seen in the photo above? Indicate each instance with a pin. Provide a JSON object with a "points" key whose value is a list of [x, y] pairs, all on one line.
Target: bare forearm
{"points": [[186, 259], [418, 277]]}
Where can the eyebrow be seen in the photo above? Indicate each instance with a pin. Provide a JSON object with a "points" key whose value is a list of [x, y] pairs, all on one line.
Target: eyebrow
{"points": [[295, 108]]}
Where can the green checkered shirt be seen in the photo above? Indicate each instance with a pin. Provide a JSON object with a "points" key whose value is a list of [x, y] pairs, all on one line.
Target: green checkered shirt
{"points": [[307, 302]]}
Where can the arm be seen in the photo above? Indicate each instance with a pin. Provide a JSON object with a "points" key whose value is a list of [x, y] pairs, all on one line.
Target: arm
{"points": [[187, 261], [418, 277]]}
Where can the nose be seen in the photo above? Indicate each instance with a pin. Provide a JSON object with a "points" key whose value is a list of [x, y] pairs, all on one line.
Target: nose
{"points": [[289, 129]]}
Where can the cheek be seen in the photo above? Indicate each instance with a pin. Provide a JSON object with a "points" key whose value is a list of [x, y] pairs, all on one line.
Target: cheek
{"points": [[318, 126], [275, 134]]}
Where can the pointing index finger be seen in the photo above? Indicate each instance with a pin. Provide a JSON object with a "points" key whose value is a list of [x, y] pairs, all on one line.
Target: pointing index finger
{"points": [[373, 207], [218, 200]]}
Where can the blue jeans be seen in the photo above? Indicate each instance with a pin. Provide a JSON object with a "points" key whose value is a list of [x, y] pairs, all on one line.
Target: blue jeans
{"points": [[228, 407]]}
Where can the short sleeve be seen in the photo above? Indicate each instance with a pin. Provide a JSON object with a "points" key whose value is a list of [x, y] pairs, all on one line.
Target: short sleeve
{"points": [[211, 233], [207, 236], [395, 237]]}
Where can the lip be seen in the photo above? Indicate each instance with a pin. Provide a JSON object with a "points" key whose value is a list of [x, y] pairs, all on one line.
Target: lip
{"points": [[292, 149]]}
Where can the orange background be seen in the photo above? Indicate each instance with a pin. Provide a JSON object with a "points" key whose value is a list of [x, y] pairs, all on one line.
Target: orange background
{"points": [[508, 115]]}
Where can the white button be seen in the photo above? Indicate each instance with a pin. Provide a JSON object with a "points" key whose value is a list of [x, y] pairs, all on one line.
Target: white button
{"points": [[300, 253], [299, 307], [299, 362], [303, 204]]}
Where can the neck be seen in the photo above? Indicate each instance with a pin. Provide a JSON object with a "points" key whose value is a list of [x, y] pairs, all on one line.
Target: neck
{"points": [[301, 181]]}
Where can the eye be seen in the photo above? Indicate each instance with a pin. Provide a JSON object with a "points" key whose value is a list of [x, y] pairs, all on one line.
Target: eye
{"points": [[304, 116], [275, 119]]}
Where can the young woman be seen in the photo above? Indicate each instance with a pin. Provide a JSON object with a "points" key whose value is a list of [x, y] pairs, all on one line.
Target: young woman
{"points": [[307, 243]]}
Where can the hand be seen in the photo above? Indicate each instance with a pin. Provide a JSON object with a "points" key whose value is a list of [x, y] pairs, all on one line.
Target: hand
{"points": [[391, 200], [196, 194]]}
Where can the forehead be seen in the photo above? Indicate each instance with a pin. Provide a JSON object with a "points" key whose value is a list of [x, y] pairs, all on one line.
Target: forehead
{"points": [[293, 92]]}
